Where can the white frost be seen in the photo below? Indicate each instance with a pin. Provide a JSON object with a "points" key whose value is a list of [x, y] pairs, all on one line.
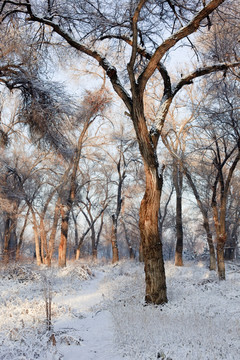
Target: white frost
{"points": [[103, 316]]}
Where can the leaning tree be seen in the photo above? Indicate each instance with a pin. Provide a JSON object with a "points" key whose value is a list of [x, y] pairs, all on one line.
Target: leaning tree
{"points": [[140, 34]]}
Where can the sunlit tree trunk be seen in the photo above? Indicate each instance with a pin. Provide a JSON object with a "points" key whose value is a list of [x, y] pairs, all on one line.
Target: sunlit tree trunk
{"points": [[151, 242], [62, 250], [115, 254], [221, 235]]}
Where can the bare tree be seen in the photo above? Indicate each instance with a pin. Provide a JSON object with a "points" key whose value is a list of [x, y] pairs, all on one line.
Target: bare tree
{"points": [[94, 104], [175, 138]]}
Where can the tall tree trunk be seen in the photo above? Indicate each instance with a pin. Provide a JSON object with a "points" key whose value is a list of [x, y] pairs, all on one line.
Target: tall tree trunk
{"points": [[19, 245], [51, 243], [93, 243], [43, 240], [141, 259], [115, 254], [77, 256], [151, 242], [177, 180], [130, 249], [219, 222], [94, 253], [6, 240], [62, 250], [36, 237], [221, 239], [212, 256], [95, 250]]}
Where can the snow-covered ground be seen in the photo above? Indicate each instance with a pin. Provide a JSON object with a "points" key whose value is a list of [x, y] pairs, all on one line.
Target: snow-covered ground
{"points": [[98, 312]]}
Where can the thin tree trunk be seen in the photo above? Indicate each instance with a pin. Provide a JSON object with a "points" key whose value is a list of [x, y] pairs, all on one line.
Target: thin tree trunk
{"points": [[78, 254], [141, 259], [19, 245], [6, 240], [43, 240], [95, 250], [36, 236], [130, 249], [51, 243], [75, 232], [62, 250], [177, 180], [115, 254]]}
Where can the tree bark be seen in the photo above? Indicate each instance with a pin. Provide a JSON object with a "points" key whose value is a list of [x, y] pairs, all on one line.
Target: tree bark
{"points": [[62, 250], [6, 240], [177, 181], [212, 255], [221, 239], [221, 236], [151, 242], [115, 254]]}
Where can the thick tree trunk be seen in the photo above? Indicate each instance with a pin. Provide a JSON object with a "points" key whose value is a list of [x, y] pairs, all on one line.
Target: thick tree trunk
{"points": [[221, 239], [94, 253], [152, 247], [212, 264]]}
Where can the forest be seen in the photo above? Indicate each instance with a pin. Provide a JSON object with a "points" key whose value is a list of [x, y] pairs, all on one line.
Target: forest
{"points": [[119, 133]]}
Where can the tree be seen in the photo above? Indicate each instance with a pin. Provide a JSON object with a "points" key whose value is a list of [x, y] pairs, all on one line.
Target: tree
{"points": [[93, 206], [232, 219], [92, 107], [83, 25], [220, 121], [175, 138]]}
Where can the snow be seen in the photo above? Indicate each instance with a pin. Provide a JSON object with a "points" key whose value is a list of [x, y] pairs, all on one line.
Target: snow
{"points": [[98, 312]]}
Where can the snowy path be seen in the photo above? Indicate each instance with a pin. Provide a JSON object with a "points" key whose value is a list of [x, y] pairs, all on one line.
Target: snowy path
{"points": [[93, 323], [104, 317]]}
